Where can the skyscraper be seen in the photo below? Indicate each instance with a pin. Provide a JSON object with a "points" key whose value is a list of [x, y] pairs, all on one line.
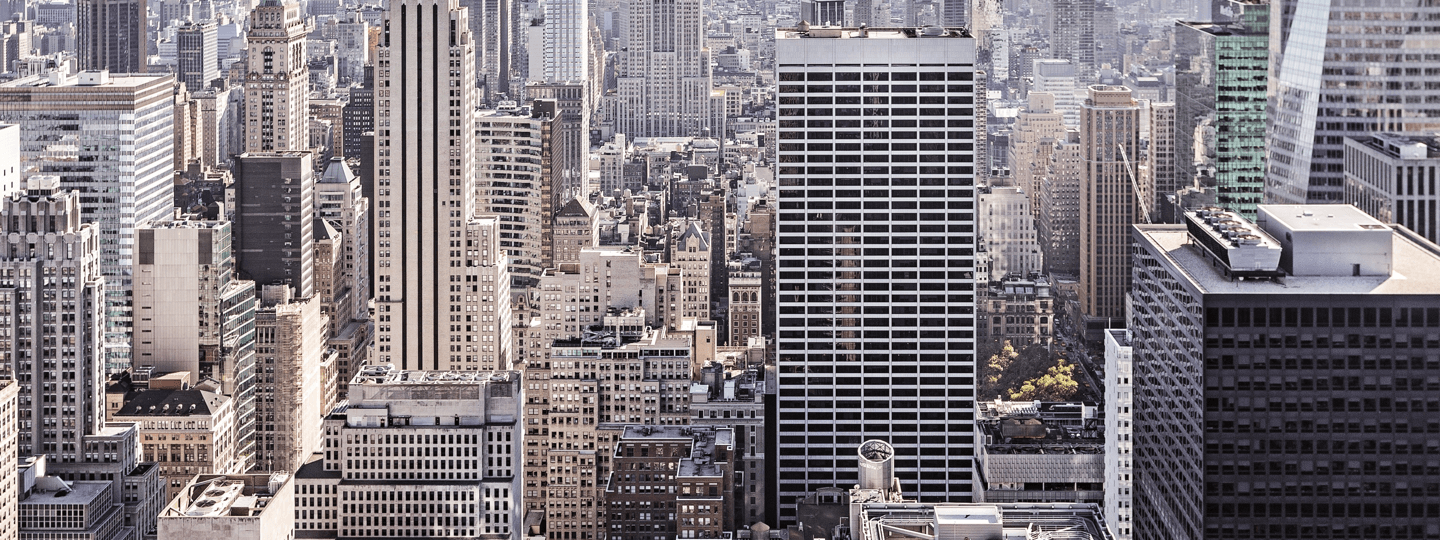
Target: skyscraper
{"points": [[1280, 376], [297, 381], [1220, 76], [1058, 225], [663, 75], [441, 278], [75, 127], [60, 260], [275, 219], [1109, 146], [277, 79], [195, 50], [876, 259], [510, 185], [565, 38], [1036, 129], [1317, 97], [111, 35], [1072, 35], [1058, 78], [1161, 159]]}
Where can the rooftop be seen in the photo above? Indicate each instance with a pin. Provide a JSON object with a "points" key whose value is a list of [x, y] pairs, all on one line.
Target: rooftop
{"points": [[850, 32], [389, 374], [954, 521], [1401, 146], [50, 490], [235, 495], [172, 403]]}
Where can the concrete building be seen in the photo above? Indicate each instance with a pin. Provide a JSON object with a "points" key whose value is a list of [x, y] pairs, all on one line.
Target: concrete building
{"points": [[1309, 66], [430, 250], [570, 103], [959, 521], [185, 430], [511, 184], [1019, 309], [698, 493], [275, 219], [237, 506], [1220, 121], [295, 378], [1007, 230], [663, 75], [1040, 452], [1059, 78], [417, 453], [9, 453], [823, 302], [735, 399], [1161, 158], [357, 118], [574, 230], [341, 202], [1072, 36], [132, 189], [1110, 156], [1326, 291], [110, 35], [122, 494], [691, 253], [1058, 225], [744, 312], [1037, 127], [195, 49], [1391, 177], [277, 79], [1119, 433], [50, 253], [823, 12]]}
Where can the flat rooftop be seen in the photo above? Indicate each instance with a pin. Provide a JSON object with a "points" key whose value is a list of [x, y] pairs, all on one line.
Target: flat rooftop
{"points": [[850, 32], [79, 492], [389, 374], [953, 521], [1323, 218], [1416, 267]]}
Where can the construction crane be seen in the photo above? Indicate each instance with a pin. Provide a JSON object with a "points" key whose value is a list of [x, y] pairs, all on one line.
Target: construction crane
{"points": [[1134, 183]]}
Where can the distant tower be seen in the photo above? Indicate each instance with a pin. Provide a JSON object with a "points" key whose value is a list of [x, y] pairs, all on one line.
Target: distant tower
{"points": [[664, 75], [1110, 154], [110, 35], [196, 47], [277, 80]]}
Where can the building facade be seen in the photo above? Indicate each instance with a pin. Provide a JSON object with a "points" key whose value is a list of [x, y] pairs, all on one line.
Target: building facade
{"points": [[1110, 156], [275, 219], [237, 506], [663, 75], [110, 35], [1119, 433], [639, 504], [1220, 119], [1389, 176], [195, 50], [1058, 224], [295, 378], [277, 79], [837, 315]]}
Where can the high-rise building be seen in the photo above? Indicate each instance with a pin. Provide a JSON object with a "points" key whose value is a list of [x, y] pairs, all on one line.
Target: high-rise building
{"points": [[1037, 127], [195, 50], [1220, 119], [1119, 433], [954, 13], [358, 117], [912, 316], [565, 39], [340, 203], [111, 35], [440, 274], [493, 23], [296, 384], [1392, 177], [570, 136], [277, 79], [275, 219], [105, 492], [1072, 35], [1110, 155], [663, 75], [1007, 231], [510, 185], [1059, 78], [194, 314], [1317, 98], [823, 12], [745, 311], [1058, 226], [10, 452], [699, 491], [1278, 369], [691, 253], [1159, 180], [60, 262], [432, 454], [58, 117]]}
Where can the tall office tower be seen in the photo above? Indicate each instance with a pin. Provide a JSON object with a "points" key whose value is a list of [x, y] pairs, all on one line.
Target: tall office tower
{"points": [[823, 12], [691, 253], [1037, 127], [297, 383], [954, 13], [663, 76], [1072, 35], [1119, 433], [862, 13], [510, 144], [1390, 176], [700, 490], [565, 39], [195, 49], [59, 136], [194, 314], [277, 79], [999, 49], [570, 136], [1161, 158], [1007, 229], [275, 219], [1109, 147], [492, 25], [923, 173], [358, 117], [1107, 37], [10, 452], [1058, 78], [1316, 98], [352, 46], [431, 454], [1220, 81], [437, 266], [340, 199], [61, 260], [110, 35], [1262, 355]]}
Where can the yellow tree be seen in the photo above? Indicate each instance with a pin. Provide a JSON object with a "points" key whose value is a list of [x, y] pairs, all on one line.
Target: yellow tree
{"points": [[1057, 384]]}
